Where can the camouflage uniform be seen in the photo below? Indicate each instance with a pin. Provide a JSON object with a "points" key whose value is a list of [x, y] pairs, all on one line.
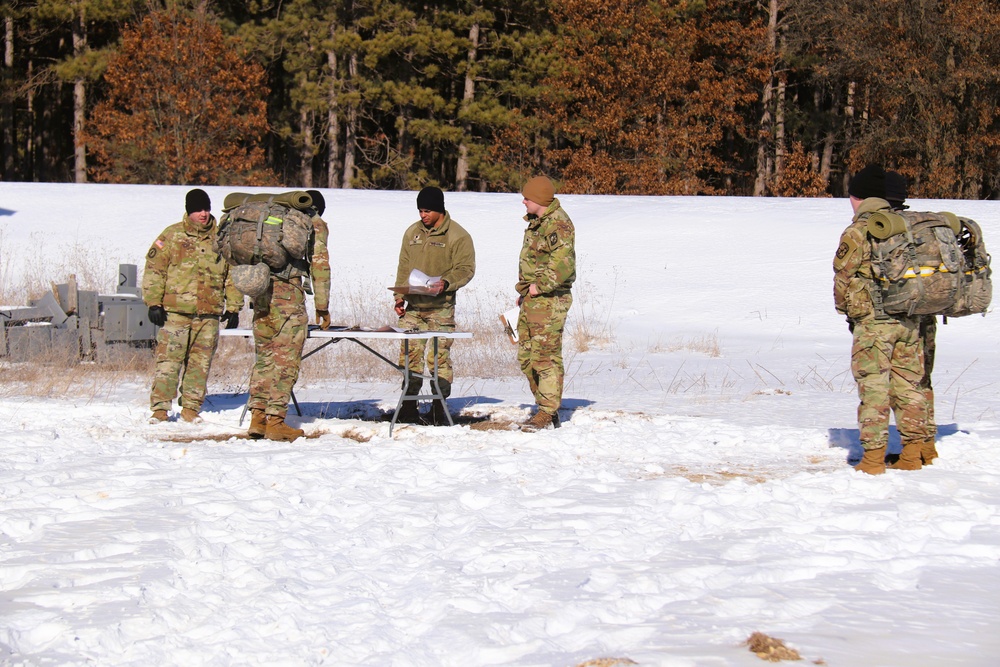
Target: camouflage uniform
{"points": [[185, 276], [280, 327], [887, 356], [445, 250], [548, 260]]}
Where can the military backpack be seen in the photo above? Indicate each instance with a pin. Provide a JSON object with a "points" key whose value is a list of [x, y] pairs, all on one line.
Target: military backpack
{"points": [[265, 230], [928, 264]]}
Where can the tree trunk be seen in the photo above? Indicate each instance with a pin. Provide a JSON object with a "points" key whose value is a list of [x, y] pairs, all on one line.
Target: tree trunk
{"points": [[332, 122], [307, 149], [350, 146], [764, 132], [7, 118], [462, 168], [79, 101], [780, 150]]}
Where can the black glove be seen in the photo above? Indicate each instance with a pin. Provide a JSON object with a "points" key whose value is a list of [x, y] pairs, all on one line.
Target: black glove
{"points": [[157, 315], [231, 320]]}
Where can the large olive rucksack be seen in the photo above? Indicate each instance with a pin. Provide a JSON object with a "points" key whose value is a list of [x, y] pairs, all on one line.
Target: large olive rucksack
{"points": [[928, 264], [265, 229]]}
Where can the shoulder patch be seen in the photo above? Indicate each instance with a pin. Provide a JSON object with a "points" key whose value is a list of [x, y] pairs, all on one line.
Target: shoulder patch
{"points": [[843, 250], [152, 253], [553, 239]]}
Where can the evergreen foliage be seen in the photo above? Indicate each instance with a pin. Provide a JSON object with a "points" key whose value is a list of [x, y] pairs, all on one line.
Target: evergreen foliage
{"points": [[773, 97]]}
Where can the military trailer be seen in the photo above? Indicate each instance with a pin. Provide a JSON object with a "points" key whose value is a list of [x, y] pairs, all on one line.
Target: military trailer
{"points": [[69, 323]]}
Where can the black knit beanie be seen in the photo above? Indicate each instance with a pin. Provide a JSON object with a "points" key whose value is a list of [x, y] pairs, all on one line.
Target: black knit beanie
{"points": [[431, 199], [318, 202], [197, 200], [869, 182]]}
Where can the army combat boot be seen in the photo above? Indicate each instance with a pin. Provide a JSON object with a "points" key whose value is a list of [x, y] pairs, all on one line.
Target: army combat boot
{"points": [[439, 414], [277, 429], [873, 462], [408, 411], [191, 416], [909, 458], [158, 416], [538, 421], [928, 452], [258, 424]]}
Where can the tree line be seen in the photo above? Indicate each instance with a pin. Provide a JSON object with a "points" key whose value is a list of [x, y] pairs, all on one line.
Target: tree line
{"points": [[643, 97]]}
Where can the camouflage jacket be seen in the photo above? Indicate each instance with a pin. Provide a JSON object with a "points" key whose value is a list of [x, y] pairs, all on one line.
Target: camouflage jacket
{"points": [[319, 266], [853, 281], [548, 256], [446, 251], [185, 275]]}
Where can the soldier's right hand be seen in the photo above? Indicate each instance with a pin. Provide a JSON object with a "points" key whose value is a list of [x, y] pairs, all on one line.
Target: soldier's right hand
{"points": [[157, 315], [323, 319], [400, 308]]}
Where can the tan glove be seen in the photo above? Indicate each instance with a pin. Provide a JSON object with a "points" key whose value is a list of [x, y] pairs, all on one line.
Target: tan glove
{"points": [[323, 319]]}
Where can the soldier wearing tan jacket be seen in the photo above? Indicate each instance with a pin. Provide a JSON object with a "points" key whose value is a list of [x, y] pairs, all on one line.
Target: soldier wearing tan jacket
{"points": [[439, 247], [186, 286]]}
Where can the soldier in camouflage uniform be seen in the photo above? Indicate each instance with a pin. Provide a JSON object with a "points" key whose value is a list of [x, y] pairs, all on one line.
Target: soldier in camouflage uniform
{"points": [[186, 287], [439, 247], [280, 327], [887, 356], [546, 272]]}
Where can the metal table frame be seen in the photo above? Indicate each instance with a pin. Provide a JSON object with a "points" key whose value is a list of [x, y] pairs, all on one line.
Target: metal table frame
{"points": [[336, 334]]}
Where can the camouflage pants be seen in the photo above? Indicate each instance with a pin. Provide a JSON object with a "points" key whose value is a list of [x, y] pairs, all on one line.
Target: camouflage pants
{"points": [[887, 360], [186, 343], [279, 334], [539, 348], [429, 319], [928, 332]]}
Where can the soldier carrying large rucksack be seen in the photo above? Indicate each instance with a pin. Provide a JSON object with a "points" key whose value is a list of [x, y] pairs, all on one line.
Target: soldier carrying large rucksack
{"points": [[894, 271], [276, 244]]}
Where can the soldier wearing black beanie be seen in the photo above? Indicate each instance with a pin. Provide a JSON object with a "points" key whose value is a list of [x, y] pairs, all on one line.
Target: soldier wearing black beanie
{"points": [[869, 182]]}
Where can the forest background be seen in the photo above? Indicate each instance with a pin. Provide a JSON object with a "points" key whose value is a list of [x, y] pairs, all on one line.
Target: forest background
{"points": [[739, 97]]}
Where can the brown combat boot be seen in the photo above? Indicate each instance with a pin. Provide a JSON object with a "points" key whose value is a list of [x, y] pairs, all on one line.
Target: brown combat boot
{"points": [[928, 452], [538, 421], [408, 413], [873, 462], [191, 416], [909, 458], [158, 416], [278, 430], [258, 424]]}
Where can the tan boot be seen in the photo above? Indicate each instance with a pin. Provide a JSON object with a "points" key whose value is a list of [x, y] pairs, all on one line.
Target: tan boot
{"points": [[538, 421], [873, 462], [158, 416], [258, 424], [928, 452], [191, 416], [909, 458], [278, 430]]}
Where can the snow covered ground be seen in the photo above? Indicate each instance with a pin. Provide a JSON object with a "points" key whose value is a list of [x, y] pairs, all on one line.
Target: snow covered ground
{"points": [[697, 492]]}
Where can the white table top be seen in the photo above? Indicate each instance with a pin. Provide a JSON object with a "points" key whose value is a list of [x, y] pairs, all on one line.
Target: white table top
{"points": [[334, 332]]}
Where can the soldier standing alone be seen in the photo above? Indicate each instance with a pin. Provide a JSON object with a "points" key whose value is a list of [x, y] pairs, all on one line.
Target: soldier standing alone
{"points": [[546, 272], [887, 355], [186, 286], [441, 248], [280, 327]]}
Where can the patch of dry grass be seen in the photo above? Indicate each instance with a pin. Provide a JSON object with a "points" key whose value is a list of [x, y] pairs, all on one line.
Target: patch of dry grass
{"points": [[770, 649]]}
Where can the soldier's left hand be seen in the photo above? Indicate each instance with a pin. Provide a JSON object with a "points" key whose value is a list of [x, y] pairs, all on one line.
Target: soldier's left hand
{"points": [[231, 320], [323, 319], [439, 286]]}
